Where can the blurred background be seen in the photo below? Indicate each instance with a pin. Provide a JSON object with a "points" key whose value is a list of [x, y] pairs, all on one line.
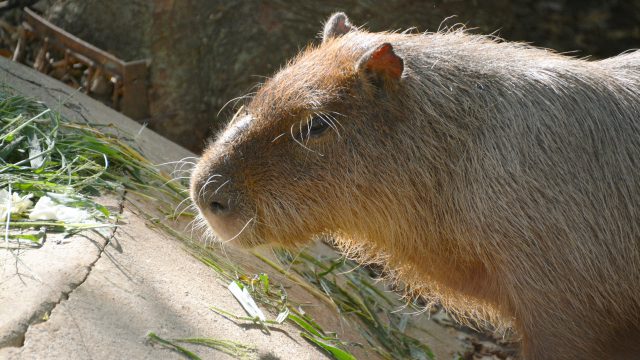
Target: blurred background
{"points": [[199, 54]]}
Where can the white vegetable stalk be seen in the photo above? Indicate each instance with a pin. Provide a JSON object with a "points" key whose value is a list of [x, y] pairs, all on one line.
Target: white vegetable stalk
{"points": [[247, 302], [54, 209], [13, 203]]}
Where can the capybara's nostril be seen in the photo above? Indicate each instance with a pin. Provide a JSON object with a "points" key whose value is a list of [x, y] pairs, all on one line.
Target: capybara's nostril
{"points": [[220, 204], [218, 208]]}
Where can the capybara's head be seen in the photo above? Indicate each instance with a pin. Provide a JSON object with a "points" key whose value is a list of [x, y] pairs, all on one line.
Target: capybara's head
{"points": [[307, 155]]}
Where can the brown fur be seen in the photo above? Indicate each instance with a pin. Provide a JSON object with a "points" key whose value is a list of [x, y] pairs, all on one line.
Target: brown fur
{"points": [[502, 179]]}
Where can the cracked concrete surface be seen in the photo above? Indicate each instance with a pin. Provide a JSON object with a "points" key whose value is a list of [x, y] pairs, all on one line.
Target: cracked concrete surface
{"points": [[33, 282], [143, 282]]}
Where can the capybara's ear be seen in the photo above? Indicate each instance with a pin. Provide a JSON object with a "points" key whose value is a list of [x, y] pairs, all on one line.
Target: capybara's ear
{"points": [[381, 63], [337, 25]]}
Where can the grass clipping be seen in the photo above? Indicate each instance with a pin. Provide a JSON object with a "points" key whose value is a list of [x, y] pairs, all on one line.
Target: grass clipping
{"points": [[45, 157]]}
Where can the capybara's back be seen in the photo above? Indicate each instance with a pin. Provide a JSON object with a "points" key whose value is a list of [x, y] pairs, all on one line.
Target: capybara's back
{"points": [[543, 182], [501, 179]]}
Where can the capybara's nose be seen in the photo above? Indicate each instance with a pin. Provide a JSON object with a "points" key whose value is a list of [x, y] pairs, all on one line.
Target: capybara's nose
{"points": [[222, 207]]}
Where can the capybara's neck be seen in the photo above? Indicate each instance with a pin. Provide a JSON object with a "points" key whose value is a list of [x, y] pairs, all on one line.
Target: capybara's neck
{"points": [[425, 239]]}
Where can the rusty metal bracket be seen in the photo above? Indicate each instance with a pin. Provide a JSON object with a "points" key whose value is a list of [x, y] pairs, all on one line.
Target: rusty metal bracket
{"points": [[129, 77]]}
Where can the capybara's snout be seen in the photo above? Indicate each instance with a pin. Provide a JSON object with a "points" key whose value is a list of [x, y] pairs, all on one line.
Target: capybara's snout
{"points": [[214, 190]]}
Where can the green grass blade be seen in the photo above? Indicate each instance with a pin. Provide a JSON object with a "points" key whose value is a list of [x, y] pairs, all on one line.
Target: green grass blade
{"points": [[336, 352], [167, 343]]}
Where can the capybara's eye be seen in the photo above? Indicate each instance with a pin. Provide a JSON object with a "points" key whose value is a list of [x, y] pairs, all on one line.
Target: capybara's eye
{"points": [[317, 126]]}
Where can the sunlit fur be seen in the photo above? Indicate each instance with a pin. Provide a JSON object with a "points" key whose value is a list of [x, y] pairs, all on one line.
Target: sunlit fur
{"points": [[498, 178]]}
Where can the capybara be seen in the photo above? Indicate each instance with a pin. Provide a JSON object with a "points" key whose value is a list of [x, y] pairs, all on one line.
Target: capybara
{"points": [[499, 178]]}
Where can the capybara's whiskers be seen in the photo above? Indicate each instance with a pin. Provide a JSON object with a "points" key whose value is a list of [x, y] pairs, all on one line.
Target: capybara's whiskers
{"points": [[235, 100], [177, 178], [210, 180], [330, 120], [278, 137], [221, 185], [293, 136], [189, 205], [181, 161], [332, 116], [240, 232], [192, 207]]}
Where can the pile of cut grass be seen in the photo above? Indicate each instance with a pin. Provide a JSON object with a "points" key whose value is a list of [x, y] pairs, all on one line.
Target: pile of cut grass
{"points": [[42, 153]]}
